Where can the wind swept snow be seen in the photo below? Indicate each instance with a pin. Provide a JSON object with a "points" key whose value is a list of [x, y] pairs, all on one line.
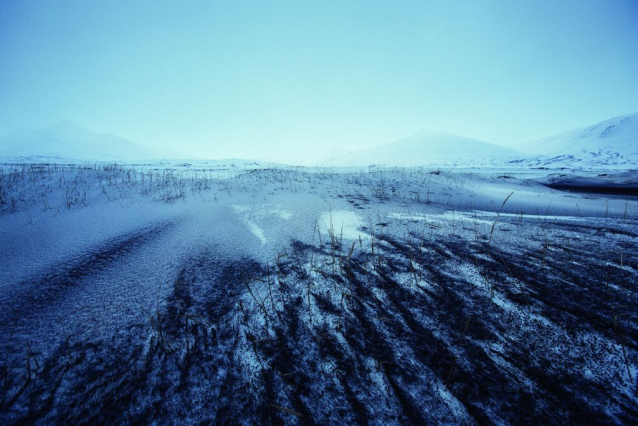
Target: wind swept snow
{"points": [[313, 296]]}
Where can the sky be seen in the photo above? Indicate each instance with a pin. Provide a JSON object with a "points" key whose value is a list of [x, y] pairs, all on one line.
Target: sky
{"points": [[293, 80]]}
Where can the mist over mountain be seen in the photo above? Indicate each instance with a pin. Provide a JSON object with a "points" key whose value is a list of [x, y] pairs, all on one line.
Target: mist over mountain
{"points": [[428, 148], [610, 143], [67, 140]]}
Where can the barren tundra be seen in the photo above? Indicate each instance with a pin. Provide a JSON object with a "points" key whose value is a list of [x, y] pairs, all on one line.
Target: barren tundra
{"points": [[243, 294]]}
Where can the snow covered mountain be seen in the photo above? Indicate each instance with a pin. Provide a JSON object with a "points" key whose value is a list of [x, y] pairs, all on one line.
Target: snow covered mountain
{"points": [[69, 141], [428, 148], [610, 143]]}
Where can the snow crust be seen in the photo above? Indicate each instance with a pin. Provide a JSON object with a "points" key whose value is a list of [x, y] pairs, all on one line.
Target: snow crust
{"points": [[221, 294]]}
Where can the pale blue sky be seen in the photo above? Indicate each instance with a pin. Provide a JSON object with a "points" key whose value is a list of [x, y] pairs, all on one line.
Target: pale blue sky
{"points": [[295, 79]]}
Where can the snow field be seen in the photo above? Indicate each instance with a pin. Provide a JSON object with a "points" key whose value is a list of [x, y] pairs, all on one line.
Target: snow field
{"points": [[313, 295]]}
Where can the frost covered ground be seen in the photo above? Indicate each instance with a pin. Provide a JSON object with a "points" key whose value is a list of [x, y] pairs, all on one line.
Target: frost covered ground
{"points": [[250, 295]]}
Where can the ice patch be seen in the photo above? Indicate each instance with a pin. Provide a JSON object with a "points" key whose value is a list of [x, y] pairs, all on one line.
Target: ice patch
{"points": [[342, 223], [282, 214], [253, 216], [262, 211], [404, 216], [530, 216], [480, 217], [256, 231], [448, 216]]}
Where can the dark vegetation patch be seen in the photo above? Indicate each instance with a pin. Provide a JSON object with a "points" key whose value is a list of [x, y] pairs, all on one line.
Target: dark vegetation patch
{"points": [[631, 190]]}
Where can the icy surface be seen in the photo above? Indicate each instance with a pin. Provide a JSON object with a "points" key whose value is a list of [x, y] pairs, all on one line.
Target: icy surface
{"points": [[256, 295], [343, 224]]}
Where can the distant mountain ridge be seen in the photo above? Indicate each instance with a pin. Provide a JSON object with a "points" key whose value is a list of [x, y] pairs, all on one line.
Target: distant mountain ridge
{"points": [[611, 143], [428, 148], [67, 140]]}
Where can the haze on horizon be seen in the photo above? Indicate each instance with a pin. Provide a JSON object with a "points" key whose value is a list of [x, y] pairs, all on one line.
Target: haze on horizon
{"points": [[292, 81]]}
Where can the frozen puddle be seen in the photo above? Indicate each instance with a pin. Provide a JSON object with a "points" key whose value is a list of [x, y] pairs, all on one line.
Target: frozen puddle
{"points": [[252, 215], [343, 223], [256, 231]]}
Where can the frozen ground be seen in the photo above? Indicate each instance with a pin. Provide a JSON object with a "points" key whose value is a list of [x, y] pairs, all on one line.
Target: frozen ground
{"points": [[241, 295]]}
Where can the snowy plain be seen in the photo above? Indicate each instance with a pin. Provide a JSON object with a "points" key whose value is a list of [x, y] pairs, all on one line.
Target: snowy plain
{"points": [[250, 294]]}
